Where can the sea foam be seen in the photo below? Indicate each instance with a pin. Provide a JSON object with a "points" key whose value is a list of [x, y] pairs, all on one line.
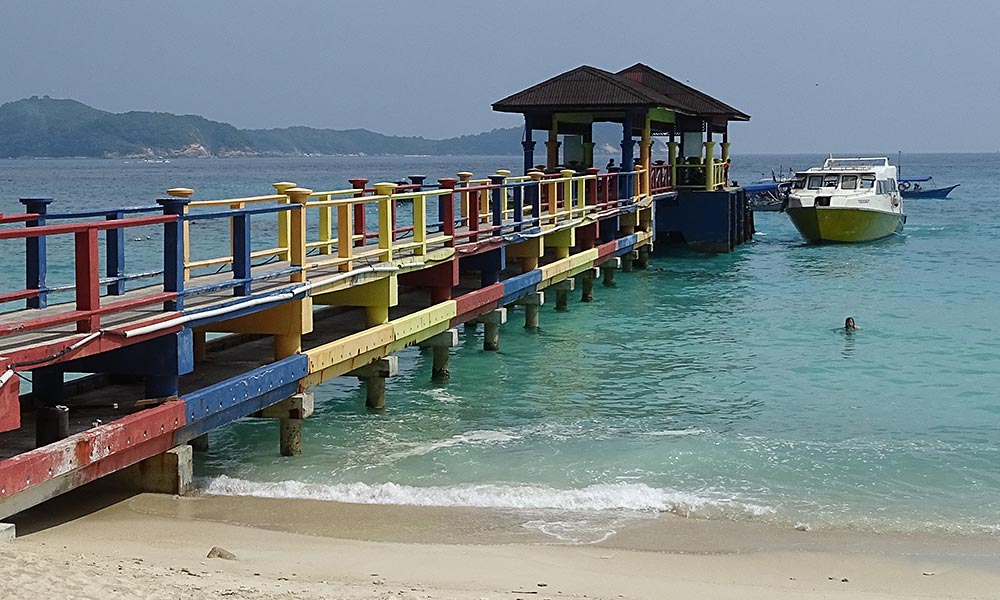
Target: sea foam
{"points": [[596, 497]]}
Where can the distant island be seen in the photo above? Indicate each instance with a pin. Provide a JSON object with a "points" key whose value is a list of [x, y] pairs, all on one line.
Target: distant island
{"points": [[54, 128]]}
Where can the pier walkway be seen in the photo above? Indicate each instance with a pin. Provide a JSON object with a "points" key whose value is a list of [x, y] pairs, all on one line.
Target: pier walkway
{"points": [[254, 301]]}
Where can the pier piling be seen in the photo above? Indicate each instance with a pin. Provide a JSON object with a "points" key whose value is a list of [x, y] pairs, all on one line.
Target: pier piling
{"points": [[491, 328], [169, 473], [587, 284], [373, 376], [531, 303], [608, 272], [628, 260], [562, 290], [290, 413], [200, 443], [642, 262], [52, 425], [440, 345]]}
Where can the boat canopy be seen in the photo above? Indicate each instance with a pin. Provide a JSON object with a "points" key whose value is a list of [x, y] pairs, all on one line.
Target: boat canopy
{"points": [[854, 163], [765, 186], [913, 179]]}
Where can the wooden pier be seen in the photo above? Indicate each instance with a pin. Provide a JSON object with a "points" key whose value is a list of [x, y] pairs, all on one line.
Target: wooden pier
{"points": [[255, 301]]}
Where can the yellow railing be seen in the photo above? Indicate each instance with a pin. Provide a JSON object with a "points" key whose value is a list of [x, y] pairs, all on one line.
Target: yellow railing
{"points": [[339, 239]]}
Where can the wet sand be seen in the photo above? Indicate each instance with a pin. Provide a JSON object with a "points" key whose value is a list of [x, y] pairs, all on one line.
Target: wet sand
{"points": [[154, 546]]}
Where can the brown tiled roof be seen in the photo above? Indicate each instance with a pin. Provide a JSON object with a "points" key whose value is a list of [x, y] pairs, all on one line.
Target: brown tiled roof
{"points": [[686, 96], [586, 88]]}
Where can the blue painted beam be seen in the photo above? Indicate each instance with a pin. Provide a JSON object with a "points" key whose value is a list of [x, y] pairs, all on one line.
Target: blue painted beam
{"points": [[519, 286], [241, 396]]}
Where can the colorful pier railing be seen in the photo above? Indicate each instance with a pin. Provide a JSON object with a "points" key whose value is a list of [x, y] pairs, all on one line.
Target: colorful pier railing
{"points": [[311, 284]]}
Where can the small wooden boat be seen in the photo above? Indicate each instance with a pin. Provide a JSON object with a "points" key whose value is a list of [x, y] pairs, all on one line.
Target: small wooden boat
{"points": [[910, 187]]}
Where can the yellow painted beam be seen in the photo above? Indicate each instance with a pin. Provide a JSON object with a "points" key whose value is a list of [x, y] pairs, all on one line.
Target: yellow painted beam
{"points": [[383, 291], [285, 319], [346, 354], [563, 268]]}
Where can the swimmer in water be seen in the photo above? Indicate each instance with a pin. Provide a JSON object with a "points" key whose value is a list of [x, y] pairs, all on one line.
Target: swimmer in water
{"points": [[849, 324]]}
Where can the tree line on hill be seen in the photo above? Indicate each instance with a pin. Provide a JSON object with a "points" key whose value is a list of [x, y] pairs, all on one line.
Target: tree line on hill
{"points": [[54, 128]]}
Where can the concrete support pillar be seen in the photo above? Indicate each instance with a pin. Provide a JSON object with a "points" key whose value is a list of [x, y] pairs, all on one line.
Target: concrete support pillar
{"points": [[373, 376], [200, 443], [439, 345], [290, 413], [491, 328], [169, 473], [7, 533], [643, 257], [608, 271], [562, 290], [587, 284], [627, 261], [374, 393], [51, 425], [291, 437], [531, 302]]}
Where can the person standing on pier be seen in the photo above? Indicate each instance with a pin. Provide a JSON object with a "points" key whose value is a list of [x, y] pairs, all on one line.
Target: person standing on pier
{"points": [[611, 164]]}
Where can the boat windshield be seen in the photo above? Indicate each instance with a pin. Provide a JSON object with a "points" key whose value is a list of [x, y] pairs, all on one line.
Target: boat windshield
{"points": [[815, 182], [799, 182], [867, 182], [830, 180], [849, 182]]}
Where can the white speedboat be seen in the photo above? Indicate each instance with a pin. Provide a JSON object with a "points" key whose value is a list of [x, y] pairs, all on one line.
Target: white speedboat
{"points": [[847, 200]]}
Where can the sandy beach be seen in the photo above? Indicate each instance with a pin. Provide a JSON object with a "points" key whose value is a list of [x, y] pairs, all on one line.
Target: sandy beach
{"points": [[155, 546]]}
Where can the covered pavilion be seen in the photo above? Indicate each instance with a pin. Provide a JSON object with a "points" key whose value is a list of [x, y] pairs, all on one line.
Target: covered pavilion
{"points": [[645, 102]]}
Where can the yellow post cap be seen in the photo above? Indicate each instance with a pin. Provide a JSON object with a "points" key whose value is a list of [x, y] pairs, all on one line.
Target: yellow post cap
{"points": [[180, 192]]}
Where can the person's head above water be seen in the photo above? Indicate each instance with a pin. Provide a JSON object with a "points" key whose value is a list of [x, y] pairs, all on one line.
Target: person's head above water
{"points": [[849, 324]]}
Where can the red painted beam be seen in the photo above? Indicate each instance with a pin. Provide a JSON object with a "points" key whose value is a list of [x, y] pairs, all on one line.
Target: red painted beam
{"points": [[607, 250], [471, 305], [95, 452]]}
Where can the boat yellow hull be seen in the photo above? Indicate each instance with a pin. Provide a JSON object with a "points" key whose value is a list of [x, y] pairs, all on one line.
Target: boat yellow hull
{"points": [[836, 224]]}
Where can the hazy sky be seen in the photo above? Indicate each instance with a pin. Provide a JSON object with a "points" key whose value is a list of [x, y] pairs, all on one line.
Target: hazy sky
{"points": [[844, 76]]}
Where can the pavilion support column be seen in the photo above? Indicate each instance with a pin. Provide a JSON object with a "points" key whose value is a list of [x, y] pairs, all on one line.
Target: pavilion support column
{"points": [[625, 184], [552, 146], [588, 147], [709, 166], [529, 147], [672, 160], [645, 155]]}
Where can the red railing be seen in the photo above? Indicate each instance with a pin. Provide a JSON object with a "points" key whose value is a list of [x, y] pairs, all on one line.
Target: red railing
{"points": [[87, 270], [659, 178]]}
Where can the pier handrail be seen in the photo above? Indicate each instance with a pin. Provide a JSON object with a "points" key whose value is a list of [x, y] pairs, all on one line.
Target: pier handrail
{"points": [[179, 266], [88, 282]]}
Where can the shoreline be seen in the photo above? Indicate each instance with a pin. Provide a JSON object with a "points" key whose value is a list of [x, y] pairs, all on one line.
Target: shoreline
{"points": [[119, 545]]}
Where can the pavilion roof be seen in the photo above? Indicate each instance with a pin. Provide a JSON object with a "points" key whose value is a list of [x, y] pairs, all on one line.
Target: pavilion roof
{"points": [[586, 88], [693, 101]]}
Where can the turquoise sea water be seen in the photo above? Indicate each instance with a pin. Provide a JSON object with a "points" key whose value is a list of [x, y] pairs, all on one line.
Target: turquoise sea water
{"points": [[715, 386]]}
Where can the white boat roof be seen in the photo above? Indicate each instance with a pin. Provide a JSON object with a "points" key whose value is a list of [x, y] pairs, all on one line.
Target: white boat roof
{"points": [[878, 165]]}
